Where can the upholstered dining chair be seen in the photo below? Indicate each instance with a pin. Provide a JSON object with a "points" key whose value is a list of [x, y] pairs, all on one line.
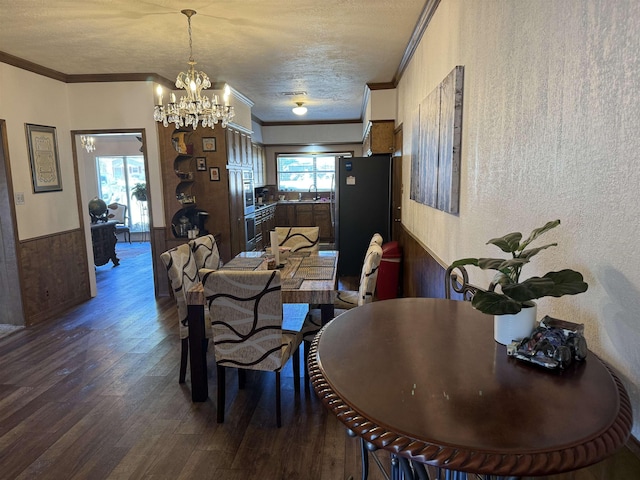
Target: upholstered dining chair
{"points": [[299, 239], [183, 275], [246, 316], [205, 252], [118, 212], [346, 299]]}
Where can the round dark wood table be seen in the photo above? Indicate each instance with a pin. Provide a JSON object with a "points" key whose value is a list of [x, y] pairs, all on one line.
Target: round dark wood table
{"points": [[424, 379]]}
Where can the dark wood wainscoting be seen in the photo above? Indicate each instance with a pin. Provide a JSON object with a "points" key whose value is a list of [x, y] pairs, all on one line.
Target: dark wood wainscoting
{"points": [[54, 274], [422, 274]]}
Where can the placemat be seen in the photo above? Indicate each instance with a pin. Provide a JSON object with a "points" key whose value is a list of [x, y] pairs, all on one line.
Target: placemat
{"points": [[314, 273], [292, 283], [242, 263], [299, 254], [317, 262]]}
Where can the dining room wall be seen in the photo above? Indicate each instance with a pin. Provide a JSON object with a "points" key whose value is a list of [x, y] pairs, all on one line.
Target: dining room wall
{"points": [[550, 115]]}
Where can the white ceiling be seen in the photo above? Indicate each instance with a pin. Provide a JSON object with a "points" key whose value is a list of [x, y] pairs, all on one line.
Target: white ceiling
{"points": [[329, 49]]}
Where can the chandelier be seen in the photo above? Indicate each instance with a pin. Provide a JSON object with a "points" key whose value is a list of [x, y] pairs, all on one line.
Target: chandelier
{"points": [[88, 143], [193, 107]]}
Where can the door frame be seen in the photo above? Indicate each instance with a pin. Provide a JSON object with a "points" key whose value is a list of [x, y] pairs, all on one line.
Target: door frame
{"points": [[82, 200]]}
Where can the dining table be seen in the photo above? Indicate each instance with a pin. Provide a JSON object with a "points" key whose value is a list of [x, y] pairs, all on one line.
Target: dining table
{"points": [[423, 379], [306, 278]]}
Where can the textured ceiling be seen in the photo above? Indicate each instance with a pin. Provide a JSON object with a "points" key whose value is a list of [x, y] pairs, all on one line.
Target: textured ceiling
{"points": [[329, 49]]}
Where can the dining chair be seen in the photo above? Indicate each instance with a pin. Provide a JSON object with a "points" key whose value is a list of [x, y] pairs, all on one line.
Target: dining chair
{"points": [[246, 316], [183, 275], [346, 299], [299, 239], [118, 212], [205, 252]]}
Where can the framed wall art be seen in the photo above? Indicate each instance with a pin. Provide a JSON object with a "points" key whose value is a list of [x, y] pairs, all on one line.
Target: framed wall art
{"points": [[43, 158], [208, 144], [201, 164], [214, 174]]}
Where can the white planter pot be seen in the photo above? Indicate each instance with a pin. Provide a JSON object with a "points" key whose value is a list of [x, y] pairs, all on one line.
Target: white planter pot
{"points": [[507, 328]]}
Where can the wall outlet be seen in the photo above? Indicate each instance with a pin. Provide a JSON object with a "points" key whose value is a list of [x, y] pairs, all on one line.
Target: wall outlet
{"points": [[19, 198]]}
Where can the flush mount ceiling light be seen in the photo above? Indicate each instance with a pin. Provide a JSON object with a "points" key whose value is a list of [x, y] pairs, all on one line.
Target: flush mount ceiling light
{"points": [[88, 143], [193, 107], [299, 110]]}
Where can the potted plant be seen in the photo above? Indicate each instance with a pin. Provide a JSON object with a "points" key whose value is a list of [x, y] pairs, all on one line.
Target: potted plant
{"points": [[515, 298], [139, 192]]}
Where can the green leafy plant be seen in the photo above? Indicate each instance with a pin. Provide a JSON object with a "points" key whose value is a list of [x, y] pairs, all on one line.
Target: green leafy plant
{"points": [[516, 294], [139, 192]]}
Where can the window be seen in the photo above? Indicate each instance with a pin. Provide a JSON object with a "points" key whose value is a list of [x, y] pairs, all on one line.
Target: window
{"points": [[307, 173], [116, 177]]}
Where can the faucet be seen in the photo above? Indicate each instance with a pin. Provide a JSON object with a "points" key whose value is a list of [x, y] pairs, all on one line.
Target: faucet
{"points": [[315, 187]]}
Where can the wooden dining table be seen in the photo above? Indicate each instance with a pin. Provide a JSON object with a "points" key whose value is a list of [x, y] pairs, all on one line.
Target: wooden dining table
{"points": [[424, 379], [306, 278]]}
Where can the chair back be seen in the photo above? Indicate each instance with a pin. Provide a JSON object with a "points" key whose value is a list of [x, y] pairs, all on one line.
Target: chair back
{"points": [[458, 282], [369, 275], [299, 239], [246, 317], [183, 275], [377, 239], [205, 252], [117, 212]]}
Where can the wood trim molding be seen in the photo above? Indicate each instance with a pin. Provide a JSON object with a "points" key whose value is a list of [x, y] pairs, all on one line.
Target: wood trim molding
{"points": [[421, 26]]}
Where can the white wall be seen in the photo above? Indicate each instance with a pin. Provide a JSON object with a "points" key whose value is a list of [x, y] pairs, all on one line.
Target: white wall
{"points": [[312, 134], [123, 105], [29, 98], [550, 122]]}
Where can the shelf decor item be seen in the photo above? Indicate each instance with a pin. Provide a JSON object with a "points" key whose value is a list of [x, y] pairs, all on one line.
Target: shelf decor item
{"points": [[43, 158], [209, 144], [517, 296]]}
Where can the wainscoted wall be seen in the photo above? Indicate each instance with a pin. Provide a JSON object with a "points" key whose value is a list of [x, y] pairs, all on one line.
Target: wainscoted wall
{"points": [[422, 273], [54, 274]]}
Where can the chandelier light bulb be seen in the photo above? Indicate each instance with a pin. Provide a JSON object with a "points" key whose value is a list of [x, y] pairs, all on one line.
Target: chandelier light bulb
{"points": [[300, 109]]}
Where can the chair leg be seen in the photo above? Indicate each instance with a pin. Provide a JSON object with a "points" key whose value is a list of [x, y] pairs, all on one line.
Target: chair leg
{"points": [[296, 370], [184, 354], [307, 347], [278, 409], [221, 393]]}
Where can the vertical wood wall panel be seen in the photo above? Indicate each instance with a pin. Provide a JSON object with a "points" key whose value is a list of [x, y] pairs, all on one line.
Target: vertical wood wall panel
{"points": [[55, 277]]}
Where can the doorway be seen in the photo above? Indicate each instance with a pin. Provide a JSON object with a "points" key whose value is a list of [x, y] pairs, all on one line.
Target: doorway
{"points": [[111, 165]]}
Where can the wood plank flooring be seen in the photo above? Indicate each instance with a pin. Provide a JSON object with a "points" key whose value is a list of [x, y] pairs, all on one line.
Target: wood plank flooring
{"points": [[95, 395]]}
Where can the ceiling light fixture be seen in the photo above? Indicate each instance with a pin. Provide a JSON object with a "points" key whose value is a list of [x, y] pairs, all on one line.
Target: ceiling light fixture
{"points": [[193, 107], [299, 110], [88, 143]]}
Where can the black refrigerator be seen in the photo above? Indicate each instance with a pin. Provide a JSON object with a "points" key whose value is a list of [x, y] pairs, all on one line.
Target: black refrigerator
{"points": [[363, 207]]}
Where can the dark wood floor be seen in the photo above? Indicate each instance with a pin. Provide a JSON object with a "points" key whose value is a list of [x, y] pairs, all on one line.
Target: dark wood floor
{"points": [[95, 395]]}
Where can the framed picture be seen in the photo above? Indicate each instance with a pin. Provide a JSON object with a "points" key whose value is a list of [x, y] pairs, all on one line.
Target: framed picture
{"points": [[214, 174], [201, 164], [208, 144], [43, 158]]}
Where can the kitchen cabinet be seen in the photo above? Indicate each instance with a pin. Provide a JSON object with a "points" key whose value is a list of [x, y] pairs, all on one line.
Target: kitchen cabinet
{"points": [[259, 164], [265, 222], [305, 214], [378, 138], [322, 218]]}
